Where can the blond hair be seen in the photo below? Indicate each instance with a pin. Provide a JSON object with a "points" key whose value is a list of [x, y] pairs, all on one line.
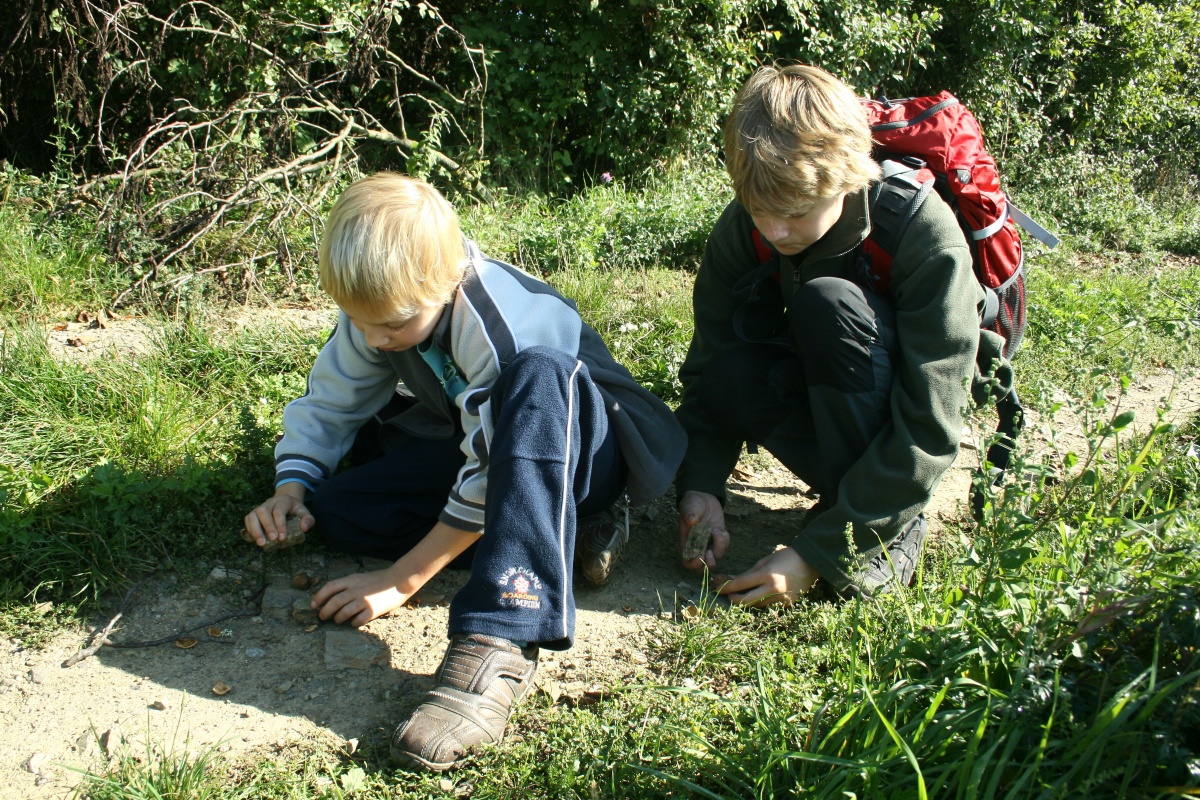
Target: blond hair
{"points": [[796, 134], [391, 245]]}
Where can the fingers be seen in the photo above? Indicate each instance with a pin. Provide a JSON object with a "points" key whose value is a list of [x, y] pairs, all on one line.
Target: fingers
{"points": [[356, 599], [738, 583], [322, 595], [268, 522], [700, 508], [756, 587], [765, 594], [279, 518], [720, 543], [254, 528], [338, 604]]}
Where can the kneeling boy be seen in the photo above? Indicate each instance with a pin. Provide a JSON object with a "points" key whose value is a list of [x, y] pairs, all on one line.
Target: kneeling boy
{"points": [[511, 428], [857, 389]]}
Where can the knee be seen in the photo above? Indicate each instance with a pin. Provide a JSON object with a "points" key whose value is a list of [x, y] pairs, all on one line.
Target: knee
{"points": [[535, 366], [825, 310], [541, 359]]}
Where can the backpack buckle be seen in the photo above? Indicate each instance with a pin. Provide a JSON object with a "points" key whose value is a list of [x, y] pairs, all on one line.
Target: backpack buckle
{"points": [[913, 161]]}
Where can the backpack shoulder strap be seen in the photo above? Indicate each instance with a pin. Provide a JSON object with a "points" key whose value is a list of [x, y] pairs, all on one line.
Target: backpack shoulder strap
{"points": [[892, 203], [896, 199]]}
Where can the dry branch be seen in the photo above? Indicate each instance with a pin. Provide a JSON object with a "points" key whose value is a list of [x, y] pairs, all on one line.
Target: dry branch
{"points": [[213, 187]]}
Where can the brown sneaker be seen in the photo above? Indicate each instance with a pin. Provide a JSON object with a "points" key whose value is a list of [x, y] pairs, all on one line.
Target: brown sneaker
{"points": [[480, 680], [599, 543]]}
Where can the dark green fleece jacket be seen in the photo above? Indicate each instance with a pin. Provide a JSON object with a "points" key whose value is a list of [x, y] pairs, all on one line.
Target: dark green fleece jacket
{"points": [[938, 303]]}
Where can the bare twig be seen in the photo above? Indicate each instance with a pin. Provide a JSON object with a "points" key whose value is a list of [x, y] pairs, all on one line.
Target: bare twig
{"points": [[99, 642], [229, 177], [252, 608]]}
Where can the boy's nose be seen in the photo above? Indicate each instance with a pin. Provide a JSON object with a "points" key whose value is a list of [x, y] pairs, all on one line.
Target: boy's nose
{"points": [[773, 228]]}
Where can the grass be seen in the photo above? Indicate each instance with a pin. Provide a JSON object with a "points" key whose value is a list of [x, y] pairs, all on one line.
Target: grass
{"points": [[1049, 652], [109, 467]]}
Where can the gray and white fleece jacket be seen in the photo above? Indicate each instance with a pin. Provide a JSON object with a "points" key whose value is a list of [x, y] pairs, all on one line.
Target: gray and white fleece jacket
{"points": [[496, 312]]}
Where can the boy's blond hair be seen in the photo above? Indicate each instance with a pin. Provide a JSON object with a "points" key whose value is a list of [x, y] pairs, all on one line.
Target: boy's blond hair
{"points": [[796, 134], [391, 245]]}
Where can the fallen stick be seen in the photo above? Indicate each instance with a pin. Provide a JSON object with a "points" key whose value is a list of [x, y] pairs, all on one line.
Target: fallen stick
{"points": [[91, 650]]}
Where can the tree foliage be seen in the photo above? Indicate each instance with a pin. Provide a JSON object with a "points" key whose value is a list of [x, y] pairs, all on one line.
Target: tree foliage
{"points": [[198, 132]]}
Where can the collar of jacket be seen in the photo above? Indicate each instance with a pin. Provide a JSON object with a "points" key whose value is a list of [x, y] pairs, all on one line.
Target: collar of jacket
{"points": [[847, 233], [441, 331]]}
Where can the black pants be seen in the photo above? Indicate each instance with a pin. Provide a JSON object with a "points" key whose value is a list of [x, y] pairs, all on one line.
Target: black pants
{"points": [[818, 398]]}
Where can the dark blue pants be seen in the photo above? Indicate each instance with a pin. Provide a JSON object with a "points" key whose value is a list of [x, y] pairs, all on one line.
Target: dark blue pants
{"points": [[816, 399], [553, 458]]}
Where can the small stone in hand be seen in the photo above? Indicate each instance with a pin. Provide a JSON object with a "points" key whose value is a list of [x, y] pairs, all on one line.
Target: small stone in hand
{"points": [[697, 542]]}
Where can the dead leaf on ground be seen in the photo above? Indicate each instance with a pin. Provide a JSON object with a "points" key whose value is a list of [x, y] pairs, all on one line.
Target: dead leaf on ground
{"points": [[221, 689], [185, 643], [215, 632]]}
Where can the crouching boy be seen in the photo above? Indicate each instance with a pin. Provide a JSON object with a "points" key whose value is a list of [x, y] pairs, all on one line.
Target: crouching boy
{"points": [[857, 388], [489, 425]]}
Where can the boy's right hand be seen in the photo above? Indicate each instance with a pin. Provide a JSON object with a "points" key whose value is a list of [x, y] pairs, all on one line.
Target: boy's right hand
{"points": [[268, 522], [695, 508]]}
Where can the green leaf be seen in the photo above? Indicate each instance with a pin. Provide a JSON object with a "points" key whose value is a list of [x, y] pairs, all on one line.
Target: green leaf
{"points": [[1122, 421]]}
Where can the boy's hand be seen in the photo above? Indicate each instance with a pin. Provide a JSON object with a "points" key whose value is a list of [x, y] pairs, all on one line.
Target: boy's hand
{"points": [[268, 522], [779, 578], [360, 598], [696, 508]]}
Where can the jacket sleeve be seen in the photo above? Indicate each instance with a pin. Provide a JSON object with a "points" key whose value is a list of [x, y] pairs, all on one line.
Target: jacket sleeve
{"points": [[711, 452], [348, 383], [495, 317], [937, 321]]}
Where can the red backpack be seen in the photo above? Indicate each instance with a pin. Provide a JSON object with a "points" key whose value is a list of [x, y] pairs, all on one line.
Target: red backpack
{"points": [[937, 141]]}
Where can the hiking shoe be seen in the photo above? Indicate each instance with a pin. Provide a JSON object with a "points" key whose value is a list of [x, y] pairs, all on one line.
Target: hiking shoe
{"points": [[599, 542], [898, 562], [480, 680]]}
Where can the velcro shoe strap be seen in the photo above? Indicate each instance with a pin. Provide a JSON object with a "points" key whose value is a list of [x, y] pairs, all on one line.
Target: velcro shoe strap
{"points": [[479, 668]]}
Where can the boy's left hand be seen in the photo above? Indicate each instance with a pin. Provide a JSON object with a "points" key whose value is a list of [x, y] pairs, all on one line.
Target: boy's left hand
{"points": [[778, 578], [359, 598]]}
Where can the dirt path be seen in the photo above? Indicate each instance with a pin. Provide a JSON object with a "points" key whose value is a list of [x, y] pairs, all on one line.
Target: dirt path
{"points": [[290, 678]]}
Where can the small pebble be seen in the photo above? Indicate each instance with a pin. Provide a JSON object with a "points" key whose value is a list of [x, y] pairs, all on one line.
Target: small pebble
{"points": [[110, 740], [159, 705], [446, 785], [255, 652]]}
